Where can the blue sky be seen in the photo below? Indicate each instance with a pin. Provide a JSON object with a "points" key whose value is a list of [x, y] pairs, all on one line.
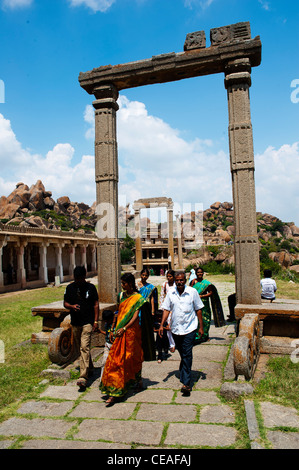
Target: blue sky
{"points": [[172, 138]]}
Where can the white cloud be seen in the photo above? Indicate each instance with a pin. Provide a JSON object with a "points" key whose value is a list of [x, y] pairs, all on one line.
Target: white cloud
{"points": [[94, 5], [16, 3], [277, 176], [265, 4], [154, 160], [57, 169]]}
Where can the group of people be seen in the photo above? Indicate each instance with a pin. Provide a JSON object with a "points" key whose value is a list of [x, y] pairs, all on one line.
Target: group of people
{"points": [[180, 320]]}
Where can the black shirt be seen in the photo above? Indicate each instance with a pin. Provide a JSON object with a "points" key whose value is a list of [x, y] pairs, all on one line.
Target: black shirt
{"points": [[84, 294]]}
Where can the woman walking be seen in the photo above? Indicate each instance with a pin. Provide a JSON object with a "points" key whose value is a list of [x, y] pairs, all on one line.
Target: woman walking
{"points": [[123, 366]]}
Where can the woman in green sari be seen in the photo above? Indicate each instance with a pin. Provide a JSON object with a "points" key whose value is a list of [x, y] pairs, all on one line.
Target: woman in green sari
{"points": [[204, 288]]}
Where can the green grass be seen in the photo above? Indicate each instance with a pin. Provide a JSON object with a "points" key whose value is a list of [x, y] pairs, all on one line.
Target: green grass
{"points": [[20, 373], [281, 383]]}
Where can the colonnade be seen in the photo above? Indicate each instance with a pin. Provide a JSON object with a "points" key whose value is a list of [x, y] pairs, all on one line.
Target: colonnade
{"points": [[31, 260]]}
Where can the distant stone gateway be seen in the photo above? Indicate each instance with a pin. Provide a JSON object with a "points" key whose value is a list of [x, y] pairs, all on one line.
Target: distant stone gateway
{"points": [[232, 52]]}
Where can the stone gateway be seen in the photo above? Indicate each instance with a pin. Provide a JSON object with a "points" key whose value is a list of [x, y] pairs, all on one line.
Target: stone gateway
{"points": [[233, 52]]}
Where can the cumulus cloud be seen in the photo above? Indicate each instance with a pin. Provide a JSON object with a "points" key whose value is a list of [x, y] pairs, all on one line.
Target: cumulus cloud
{"points": [[94, 5], [57, 170], [154, 160], [277, 176]]}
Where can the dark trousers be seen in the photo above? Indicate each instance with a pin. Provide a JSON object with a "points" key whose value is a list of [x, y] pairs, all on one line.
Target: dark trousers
{"points": [[184, 344]]}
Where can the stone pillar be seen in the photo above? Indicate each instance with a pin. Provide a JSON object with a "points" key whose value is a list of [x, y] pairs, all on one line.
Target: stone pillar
{"points": [[83, 256], [59, 266], [170, 234], [1, 265], [93, 258], [138, 244], [72, 265], [179, 238], [21, 273], [43, 268], [247, 265], [106, 177]]}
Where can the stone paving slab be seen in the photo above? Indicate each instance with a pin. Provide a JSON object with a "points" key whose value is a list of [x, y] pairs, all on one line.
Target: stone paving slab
{"points": [[167, 413], [198, 397], [46, 408], [278, 415], [64, 392], [6, 444], [36, 427], [99, 410], [121, 431], [217, 414], [191, 435], [152, 396], [284, 440], [54, 444]]}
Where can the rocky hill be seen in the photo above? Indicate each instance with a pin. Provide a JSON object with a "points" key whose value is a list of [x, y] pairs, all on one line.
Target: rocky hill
{"points": [[35, 207]]}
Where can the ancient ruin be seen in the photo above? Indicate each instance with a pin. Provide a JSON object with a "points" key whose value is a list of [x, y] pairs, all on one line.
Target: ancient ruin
{"points": [[233, 52]]}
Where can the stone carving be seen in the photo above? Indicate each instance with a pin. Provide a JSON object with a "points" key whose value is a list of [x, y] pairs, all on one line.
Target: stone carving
{"points": [[227, 34], [196, 40]]}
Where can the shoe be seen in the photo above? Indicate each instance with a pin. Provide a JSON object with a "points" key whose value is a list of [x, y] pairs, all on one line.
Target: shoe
{"points": [[172, 349], [82, 385], [159, 361], [186, 390]]}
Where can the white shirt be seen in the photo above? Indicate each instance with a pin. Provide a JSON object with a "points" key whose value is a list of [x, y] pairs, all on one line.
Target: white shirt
{"points": [[268, 288], [183, 308]]}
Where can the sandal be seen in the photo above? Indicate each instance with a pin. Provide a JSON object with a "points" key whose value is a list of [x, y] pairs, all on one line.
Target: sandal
{"points": [[110, 401]]}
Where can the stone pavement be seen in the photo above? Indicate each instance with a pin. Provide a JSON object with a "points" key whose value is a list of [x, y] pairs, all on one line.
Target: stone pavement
{"points": [[159, 417]]}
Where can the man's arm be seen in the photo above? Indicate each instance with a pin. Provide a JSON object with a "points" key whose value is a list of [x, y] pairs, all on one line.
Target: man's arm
{"points": [[164, 318], [96, 315], [199, 316]]}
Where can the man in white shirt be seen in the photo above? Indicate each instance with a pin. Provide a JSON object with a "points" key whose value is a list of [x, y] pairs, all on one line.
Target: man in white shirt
{"points": [[185, 304], [268, 286]]}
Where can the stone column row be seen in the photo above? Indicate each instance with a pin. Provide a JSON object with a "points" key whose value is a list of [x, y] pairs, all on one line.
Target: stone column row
{"points": [[43, 266]]}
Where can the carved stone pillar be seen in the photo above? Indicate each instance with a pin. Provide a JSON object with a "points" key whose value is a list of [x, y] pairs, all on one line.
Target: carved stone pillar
{"points": [[106, 177], [247, 267], [138, 244]]}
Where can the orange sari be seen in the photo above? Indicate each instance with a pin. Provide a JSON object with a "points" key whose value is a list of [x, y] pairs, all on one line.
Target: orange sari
{"points": [[124, 363]]}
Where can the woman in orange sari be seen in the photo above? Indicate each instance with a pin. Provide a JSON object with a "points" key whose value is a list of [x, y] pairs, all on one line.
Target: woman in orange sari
{"points": [[123, 366]]}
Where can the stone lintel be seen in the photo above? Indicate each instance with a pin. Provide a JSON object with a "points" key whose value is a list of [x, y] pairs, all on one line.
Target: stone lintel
{"points": [[146, 203], [273, 309], [173, 66]]}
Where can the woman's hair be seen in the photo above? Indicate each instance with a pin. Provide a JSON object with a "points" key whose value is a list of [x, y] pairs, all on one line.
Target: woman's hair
{"points": [[145, 270], [171, 272], [130, 279], [198, 267]]}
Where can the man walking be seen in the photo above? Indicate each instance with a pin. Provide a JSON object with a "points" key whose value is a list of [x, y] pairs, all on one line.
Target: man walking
{"points": [[185, 304], [81, 298]]}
